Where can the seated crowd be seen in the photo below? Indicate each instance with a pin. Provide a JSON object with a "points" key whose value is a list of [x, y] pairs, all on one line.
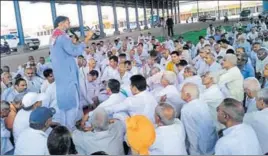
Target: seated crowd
{"points": [[143, 97]]}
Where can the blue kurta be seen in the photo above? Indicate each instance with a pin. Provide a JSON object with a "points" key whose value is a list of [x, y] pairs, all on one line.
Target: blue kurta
{"points": [[65, 71]]}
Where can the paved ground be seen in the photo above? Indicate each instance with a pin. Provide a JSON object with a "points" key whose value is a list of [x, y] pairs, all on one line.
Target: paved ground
{"points": [[16, 59]]}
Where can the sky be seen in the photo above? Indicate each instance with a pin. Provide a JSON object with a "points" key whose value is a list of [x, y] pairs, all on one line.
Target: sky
{"points": [[37, 15]]}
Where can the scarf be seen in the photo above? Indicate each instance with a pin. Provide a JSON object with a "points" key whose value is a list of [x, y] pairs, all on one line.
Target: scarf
{"points": [[56, 33]]}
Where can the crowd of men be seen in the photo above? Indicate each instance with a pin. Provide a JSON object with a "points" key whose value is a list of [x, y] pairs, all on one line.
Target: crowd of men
{"points": [[147, 98]]}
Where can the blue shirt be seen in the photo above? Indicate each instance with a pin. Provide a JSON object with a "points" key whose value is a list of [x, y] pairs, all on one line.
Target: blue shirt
{"points": [[247, 71], [9, 94]]}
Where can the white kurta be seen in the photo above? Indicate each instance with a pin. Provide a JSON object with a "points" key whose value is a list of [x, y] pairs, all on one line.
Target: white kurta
{"points": [[213, 97], [258, 121], [232, 79], [251, 105], [170, 140], [142, 103], [238, 140], [173, 97], [200, 128], [214, 67], [6, 145], [109, 73], [110, 141], [32, 142]]}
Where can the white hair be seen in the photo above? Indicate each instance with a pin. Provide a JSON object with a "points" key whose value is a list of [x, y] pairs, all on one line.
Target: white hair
{"points": [[192, 69], [159, 111], [4, 74], [263, 95], [170, 77], [191, 89], [214, 76], [231, 58], [252, 84], [100, 121]]}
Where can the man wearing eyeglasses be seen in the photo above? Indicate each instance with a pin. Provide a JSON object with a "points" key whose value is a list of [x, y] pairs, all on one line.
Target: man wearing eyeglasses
{"points": [[33, 82]]}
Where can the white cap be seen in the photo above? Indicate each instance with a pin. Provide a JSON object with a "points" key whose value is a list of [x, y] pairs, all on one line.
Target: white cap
{"points": [[31, 98]]}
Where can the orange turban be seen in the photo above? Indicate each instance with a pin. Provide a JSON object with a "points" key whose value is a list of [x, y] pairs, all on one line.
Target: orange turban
{"points": [[140, 134]]}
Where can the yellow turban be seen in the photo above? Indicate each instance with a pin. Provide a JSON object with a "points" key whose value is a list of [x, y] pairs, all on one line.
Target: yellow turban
{"points": [[140, 134]]}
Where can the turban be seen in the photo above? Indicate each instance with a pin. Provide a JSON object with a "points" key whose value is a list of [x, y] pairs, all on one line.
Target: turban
{"points": [[140, 134]]}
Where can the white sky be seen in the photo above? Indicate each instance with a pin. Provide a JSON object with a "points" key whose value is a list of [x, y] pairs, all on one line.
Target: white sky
{"points": [[37, 15]]}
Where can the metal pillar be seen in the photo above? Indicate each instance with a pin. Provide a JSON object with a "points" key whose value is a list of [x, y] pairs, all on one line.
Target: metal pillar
{"points": [[179, 16], [152, 13], [219, 14], [127, 16], [175, 15], [265, 5], [167, 9], [137, 15], [240, 5], [19, 24], [157, 11], [172, 15], [145, 16], [53, 10], [80, 18], [102, 34], [163, 8], [197, 9], [116, 31]]}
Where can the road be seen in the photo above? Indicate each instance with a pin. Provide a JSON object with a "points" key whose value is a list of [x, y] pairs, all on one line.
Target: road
{"points": [[16, 59]]}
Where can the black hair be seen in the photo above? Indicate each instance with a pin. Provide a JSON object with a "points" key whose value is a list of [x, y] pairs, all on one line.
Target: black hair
{"points": [[256, 43], [36, 126], [47, 72], [94, 73], [114, 85], [128, 62], [59, 19], [17, 82], [59, 141], [122, 55], [230, 51], [99, 153], [201, 37], [176, 41], [139, 82], [80, 56], [244, 50], [176, 53], [185, 47], [153, 53], [93, 43], [182, 63], [140, 44], [115, 58], [224, 41], [212, 37]]}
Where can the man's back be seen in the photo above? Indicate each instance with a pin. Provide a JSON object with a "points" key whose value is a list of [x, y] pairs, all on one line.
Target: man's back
{"points": [[258, 121], [21, 122], [199, 126], [32, 142], [110, 141], [238, 140], [170, 140]]}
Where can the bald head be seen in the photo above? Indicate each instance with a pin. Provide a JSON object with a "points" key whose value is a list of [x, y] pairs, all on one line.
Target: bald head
{"points": [[190, 92], [100, 121], [165, 114]]}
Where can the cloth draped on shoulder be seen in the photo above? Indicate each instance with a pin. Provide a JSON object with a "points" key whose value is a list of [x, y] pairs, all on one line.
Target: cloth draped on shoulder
{"points": [[55, 34]]}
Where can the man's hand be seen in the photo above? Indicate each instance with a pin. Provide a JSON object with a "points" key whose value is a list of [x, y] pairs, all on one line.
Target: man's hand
{"points": [[111, 121], [163, 98], [88, 36]]}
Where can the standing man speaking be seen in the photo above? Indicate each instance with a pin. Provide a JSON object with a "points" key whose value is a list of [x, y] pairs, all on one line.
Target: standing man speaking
{"points": [[170, 25], [63, 54]]}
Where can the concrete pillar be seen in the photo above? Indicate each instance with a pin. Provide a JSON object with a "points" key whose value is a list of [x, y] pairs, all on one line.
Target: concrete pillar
{"points": [[179, 15], [102, 34], [219, 14], [172, 15], [116, 31], [137, 15], [145, 16], [163, 8], [175, 15], [157, 9], [53, 10], [152, 13], [265, 5], [127, 16], [21, 45], [80, 18], [197, 9], [167, 9]]}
